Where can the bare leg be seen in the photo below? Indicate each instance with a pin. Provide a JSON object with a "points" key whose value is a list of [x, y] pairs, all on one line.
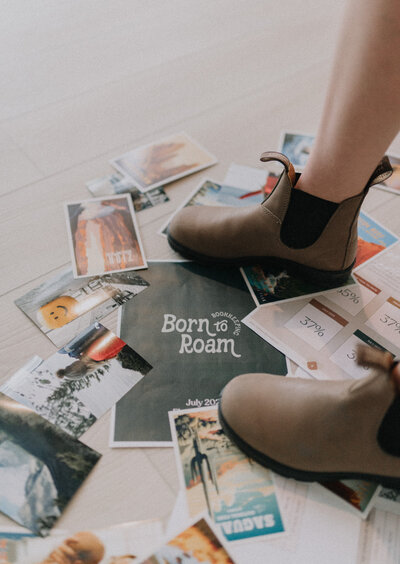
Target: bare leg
{"points": [[361, 116]]}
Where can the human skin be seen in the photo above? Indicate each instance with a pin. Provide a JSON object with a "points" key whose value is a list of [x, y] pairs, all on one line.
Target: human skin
{"points": [[361, 115], [396, 377], [82, 548]]}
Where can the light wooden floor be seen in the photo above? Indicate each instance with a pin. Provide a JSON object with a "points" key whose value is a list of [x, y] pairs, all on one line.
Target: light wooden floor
{"points": [[85, 80]]}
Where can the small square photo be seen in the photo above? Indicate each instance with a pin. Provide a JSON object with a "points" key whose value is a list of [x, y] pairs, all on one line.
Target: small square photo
{"points": [[104, 236]]}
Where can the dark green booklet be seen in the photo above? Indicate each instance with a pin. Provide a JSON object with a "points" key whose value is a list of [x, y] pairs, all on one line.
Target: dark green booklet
{"points": [[188, 326]]}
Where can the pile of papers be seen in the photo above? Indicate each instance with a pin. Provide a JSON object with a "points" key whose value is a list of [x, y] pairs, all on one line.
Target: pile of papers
{"points": [[185, 331]]}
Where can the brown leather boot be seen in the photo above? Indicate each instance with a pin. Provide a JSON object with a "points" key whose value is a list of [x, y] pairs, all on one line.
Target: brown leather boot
{"points": [[226, 235], [315, 430]]}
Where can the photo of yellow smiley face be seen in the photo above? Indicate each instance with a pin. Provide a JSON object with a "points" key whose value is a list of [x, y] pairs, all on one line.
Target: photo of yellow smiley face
{"points": [[58, 312]]}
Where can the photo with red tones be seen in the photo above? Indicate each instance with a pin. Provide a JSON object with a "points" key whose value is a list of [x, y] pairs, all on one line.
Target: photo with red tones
{"points": [[197, 543], [164, 161], [104, 236], [81, 381]]}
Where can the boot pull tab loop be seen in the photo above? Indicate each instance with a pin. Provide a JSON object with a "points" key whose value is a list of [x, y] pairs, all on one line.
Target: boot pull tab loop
{"points": [[382, 172], [382, 360], [372, 357], [275, 156]]}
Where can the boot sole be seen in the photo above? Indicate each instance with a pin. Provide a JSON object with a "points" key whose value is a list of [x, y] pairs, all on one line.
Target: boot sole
{"points": [[322, 278], [301, 475]]}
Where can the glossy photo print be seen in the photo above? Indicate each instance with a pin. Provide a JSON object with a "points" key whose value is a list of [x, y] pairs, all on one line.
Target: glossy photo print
{"points": [[41, 467], [238, 494], [162, 162], [392, 184], [196, 544], [116, 183], [120, 544], [63, 306], [194, 339], [268, 285], [104, 236], [254, 180], [297, 147], [322, 334], [80, 382]]}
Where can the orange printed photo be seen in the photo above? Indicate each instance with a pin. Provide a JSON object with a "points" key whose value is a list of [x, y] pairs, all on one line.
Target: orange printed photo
{"points": [[158, 163], [104, 236], [197, 543]]}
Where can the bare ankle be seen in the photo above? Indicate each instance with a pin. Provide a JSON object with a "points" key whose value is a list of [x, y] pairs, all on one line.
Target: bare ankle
{"points": [[323, 186]]}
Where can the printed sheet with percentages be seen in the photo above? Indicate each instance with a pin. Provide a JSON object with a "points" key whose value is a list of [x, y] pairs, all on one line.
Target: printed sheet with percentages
{"points": [[321, 333]]}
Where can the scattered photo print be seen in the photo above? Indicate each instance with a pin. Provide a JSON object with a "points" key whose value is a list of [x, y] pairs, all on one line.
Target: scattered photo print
{"points": [[8, 550], [211, 193], [373, 238], [238, 494], [117, 184], [197, 543], [358, 494], [10, 539], [104, 236], [268, 285], [63, 305], [41, 467], [297, 147], [392, 184], [159, 163], [388, 500], [253, 180], [14, 533], [80, 382], [121, 544]]}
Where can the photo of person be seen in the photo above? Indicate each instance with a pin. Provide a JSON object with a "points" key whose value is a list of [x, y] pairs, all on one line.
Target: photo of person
{"points": [[104, 236], [119, 544], [80, 382]]}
